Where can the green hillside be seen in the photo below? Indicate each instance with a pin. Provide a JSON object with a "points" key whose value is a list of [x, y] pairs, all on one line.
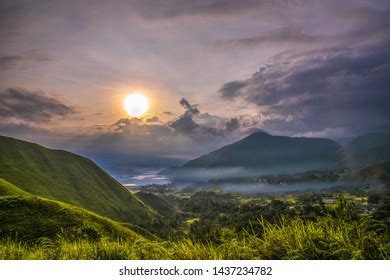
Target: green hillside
{"points": [[29, 219], [6, 188], [158, 203], [70, 178]]}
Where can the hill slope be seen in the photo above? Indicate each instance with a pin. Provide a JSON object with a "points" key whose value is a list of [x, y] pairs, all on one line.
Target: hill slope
{"points": [[6, 188], [264, 150], [158, 203], [28, 219], [376, 172], [69, 178], [368, 149]]}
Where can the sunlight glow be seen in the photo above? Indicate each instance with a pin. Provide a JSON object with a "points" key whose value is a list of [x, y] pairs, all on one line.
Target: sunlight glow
{"points": [[136, 104]]}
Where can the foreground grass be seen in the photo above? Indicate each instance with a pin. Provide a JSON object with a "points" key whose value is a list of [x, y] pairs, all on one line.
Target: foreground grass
{"points": [[296, 239]]}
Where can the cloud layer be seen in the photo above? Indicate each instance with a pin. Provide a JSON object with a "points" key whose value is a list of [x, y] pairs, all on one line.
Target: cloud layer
{"points": [[334, 88], [31, 106]]}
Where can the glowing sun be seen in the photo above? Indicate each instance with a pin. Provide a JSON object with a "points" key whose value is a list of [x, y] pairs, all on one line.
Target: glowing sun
{"points": [[136, 104]]}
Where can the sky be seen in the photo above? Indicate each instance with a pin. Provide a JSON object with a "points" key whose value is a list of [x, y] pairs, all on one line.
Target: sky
{"points": [[214, 71]]}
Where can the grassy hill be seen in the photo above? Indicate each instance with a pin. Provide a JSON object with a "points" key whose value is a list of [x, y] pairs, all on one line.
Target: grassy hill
{"points": [[70, 178], [27, 218], [158, 203], [6, 188]]}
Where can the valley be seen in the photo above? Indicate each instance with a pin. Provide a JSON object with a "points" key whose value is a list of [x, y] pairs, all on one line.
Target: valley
{"points": [[58, 205]]}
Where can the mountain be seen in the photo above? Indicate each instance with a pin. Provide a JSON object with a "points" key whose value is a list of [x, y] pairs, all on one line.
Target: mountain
{"points": [[70, 178], [262, 150], [368, 149], [28, 218], [260, 154]]}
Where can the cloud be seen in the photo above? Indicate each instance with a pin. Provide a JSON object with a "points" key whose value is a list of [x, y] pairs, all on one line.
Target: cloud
{"points": [[232, 124], [185, 124], [193, 123], [232, 89], [284, 35], [366, 23], [176, 8], [344, 88], [190, 108], [153, 119], [8, 62], [30, 106]]}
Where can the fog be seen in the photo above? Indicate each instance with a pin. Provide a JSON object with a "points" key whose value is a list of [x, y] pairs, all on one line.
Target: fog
{"points": [[191, 175], [245, 188]]}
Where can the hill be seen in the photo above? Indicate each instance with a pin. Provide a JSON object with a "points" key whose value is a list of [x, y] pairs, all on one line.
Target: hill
{"points": [[70, 178], [29, 219], [376, 172], [6, 188], [159, 204], [368, 149]]}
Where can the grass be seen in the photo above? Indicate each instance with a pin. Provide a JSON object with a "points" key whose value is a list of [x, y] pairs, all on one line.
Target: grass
{"points": [[158, 203], [33, 220], [41, 189], [6, 188], [69, 178], [295, 239]]}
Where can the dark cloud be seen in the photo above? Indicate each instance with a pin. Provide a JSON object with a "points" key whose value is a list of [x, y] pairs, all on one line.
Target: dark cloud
{"points": [[32, 56], [194, 123], [367, 23], [7, 62], [175, 8], [232, 89], [297, 38], [32, 106], [232, 124], [189, 108], [285, 35], [185, 124], [335, 88]]}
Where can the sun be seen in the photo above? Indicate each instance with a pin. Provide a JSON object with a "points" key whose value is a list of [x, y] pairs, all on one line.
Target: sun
{"points": [[136, 104]]}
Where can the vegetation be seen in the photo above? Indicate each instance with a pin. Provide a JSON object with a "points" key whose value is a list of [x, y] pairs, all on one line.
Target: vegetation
{"points": [[32, 220], [159, 204], [295, 239], [283, 227], [69, 178], [338, 223]]}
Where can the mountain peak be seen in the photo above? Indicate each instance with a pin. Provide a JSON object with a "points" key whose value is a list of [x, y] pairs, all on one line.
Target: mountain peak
{"points": [[265, 151], [260, 133]]}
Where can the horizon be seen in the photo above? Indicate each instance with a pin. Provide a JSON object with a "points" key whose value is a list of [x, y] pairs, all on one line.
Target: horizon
{"points": [[206, 74]]}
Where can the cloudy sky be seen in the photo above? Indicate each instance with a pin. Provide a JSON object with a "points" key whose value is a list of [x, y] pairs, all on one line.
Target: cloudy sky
{"points": [[213, 70]]}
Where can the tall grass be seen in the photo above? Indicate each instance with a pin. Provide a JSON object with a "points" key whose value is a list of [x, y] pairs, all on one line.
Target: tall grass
{"points": [[325, 238]]}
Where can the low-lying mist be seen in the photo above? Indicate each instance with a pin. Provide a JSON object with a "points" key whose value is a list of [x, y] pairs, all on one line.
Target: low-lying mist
{"points": [[246, 188], [191, 175]]}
